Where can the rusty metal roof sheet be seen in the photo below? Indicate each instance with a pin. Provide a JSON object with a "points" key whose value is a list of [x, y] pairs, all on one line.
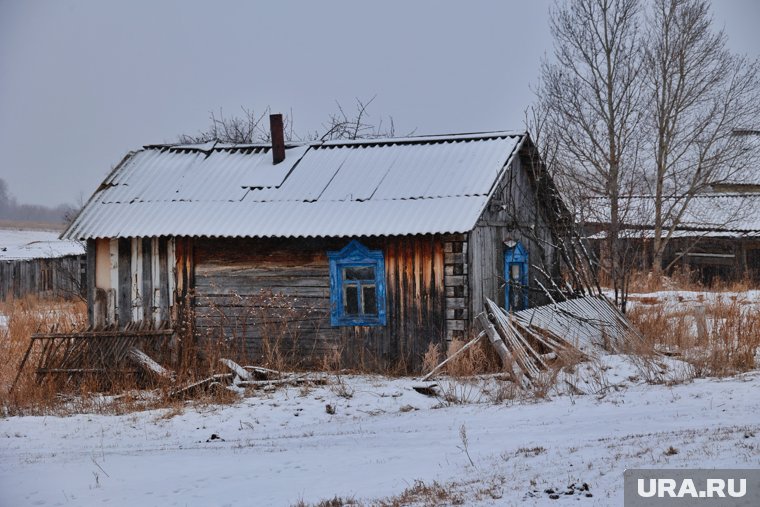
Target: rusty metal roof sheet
{"points": [[424, 185]]}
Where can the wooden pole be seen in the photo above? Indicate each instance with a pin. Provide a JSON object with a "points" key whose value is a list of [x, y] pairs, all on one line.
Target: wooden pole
{"points": [[466, 346]]}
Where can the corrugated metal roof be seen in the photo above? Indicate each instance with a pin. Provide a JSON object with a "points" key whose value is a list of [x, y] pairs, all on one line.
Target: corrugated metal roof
{"points": [[706, 212], [24, 244], [423, 185]]}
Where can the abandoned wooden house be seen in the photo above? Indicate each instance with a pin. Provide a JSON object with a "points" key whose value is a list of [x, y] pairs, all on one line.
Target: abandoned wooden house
{"points": [[369, 250], [36, 263]]}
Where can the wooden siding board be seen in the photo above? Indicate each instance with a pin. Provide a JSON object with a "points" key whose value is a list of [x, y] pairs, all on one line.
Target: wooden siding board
{"points": [[146, 278], [92, 252], [163, 274], [124, 285], [518, 217]]}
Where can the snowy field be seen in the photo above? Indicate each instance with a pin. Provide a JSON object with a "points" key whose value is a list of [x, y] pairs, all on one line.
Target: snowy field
{"points": [[282, 447]]}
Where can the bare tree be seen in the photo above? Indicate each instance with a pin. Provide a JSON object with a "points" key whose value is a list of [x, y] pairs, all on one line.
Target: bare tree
{"points": [[342, 125], [247, 128], [251, 127], [592, 93], [700, 93]]}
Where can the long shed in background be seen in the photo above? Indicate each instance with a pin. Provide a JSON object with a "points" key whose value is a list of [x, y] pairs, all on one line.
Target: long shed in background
{"points": [[717, 237], [366, 250], [37, 263]]}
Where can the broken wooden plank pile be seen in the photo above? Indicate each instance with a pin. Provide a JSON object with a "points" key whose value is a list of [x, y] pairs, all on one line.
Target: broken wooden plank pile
{"points": [[250, 377], [528, 340]]}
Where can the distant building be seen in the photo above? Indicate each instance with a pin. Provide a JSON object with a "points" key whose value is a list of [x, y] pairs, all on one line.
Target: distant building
{"points": [[34, 262], [377, 248], [718, 235]]}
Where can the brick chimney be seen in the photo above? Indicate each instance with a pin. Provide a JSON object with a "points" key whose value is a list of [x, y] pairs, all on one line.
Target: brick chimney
{"points": [[278, 138]]}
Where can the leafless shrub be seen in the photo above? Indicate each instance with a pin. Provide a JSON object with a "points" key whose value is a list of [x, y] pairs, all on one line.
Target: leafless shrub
{"points": [[459, 391]]}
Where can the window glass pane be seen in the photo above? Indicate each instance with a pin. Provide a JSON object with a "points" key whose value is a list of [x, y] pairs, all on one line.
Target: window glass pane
{"points": [[359, 273], [369, 300], [514, 272], [351, 299]]}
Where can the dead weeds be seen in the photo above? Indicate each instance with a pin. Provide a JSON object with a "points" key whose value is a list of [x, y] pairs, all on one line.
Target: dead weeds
{"points": [[719, 341]]}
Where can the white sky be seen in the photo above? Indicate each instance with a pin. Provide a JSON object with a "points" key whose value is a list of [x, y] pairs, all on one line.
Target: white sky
{"points": [[84, 81]]}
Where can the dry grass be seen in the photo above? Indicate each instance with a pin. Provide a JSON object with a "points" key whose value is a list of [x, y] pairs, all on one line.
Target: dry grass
{"points": [[190, 357], [336, 501], [93, 393], [683, 279], [726, 345], [478, 359], [424, 494], [25, 317]]}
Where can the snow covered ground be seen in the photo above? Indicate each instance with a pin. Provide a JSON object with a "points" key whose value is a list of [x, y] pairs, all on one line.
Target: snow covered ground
{"points": [[282, 447]]}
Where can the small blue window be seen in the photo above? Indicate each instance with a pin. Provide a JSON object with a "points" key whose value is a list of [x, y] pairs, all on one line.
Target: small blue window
{"points": [[357, 286], [516, 275]]}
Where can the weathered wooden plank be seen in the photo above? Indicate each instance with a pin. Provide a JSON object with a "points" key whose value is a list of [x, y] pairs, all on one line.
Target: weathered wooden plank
{"points": [[455, 303], [91, 260], [146, 281], [259, 302], [124, 270], [148, 364], [252, 267], [454, 258], [251, 286], [455, 280], [457, 314], [455, 325], [163, 278], [136, 279]]}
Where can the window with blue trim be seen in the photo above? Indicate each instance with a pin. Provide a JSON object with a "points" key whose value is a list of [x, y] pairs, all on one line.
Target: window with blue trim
{"points": [[516, 275], [357, 286]]}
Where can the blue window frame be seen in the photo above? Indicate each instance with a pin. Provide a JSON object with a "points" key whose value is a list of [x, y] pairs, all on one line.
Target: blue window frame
{"points": [[516, 275], [357, 286]]}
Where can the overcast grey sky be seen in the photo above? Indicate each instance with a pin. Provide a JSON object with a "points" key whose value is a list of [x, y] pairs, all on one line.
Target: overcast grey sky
{"points": [[84, 81]]}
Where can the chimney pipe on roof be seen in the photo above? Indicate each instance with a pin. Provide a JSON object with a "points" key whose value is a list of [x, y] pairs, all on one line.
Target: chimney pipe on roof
{"points": [[278, 138]]}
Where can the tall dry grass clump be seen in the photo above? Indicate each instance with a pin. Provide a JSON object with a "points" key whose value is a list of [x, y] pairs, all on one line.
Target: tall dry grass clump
{"points": [[476, 360], [719, 340], [23, 318], [124, 388]]}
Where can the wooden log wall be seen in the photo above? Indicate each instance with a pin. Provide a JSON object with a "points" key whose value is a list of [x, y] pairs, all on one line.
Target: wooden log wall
{"points": [[258, 292], [456, 281], [49, 278]]}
